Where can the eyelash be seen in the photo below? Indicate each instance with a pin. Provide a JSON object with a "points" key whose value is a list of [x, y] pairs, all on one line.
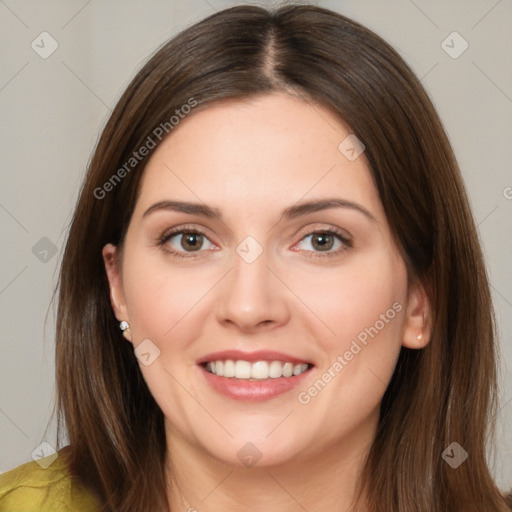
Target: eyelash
{"points": [[314, 254]]}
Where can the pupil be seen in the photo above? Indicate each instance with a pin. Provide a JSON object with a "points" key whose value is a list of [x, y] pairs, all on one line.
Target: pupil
{"points": [[189, 240], [324, 241]]}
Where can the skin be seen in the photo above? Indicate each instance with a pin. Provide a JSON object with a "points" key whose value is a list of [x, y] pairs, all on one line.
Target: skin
{"points": [[251, 159]]}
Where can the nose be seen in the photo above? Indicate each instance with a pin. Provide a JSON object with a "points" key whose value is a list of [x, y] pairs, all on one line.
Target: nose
{"points": [[253, 297]]}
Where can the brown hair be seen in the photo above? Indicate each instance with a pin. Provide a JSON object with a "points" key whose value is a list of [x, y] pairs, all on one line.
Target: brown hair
{"points": [[443, 393]]}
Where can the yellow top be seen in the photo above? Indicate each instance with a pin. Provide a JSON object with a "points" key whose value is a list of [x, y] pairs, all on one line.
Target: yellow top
{"points": [[43, 486]]}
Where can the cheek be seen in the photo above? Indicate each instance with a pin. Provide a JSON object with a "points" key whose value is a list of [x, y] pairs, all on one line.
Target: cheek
{"points": [[357, 297], [362, 307], [164, 304], [161, 298], [364, 304]]}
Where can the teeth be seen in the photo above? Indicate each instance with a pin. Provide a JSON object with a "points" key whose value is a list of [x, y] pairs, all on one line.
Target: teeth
{"points": [[297, 369], [287, 369], [242, 370], [275, 369], [229, 368], [258, 370]]}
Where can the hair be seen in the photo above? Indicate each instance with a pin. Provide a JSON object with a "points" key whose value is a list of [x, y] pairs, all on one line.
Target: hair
{"points": [[443, 393]]}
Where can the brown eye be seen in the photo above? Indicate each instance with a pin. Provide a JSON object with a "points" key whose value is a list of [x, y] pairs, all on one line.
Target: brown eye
{"points": [[184, 242], [322, 241], [325, 243], [191, 241]]}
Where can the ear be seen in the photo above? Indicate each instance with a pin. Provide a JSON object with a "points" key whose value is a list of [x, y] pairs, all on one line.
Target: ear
{"points": [[416, 331], [117, 299]]}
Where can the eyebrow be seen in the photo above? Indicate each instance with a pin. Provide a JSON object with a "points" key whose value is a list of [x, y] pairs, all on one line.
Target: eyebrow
{"points": [[291, 212]]}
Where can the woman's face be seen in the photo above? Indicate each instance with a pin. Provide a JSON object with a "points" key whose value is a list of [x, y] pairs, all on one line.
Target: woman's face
{"points": [[255, 286]]}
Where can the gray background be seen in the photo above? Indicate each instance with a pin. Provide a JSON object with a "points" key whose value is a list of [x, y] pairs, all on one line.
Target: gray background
{"points": [[52, 111]]}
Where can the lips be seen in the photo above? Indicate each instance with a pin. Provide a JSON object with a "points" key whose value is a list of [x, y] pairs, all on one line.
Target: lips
{"points": [[259, 355], [253, 376], [240, 369]]}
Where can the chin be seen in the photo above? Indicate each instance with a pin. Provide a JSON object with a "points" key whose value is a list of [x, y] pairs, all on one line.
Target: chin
{"points": [[255, 451]]}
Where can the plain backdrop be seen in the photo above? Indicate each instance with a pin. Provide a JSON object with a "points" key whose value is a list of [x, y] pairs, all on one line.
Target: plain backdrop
{"points": [[53, 108]]}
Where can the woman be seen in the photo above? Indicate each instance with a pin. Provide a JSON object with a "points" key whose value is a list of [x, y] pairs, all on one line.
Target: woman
{"points": [[272, 294]]}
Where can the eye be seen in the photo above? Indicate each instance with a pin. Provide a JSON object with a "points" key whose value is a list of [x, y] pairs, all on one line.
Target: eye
{"points": [[182, 241], [322, 241]]}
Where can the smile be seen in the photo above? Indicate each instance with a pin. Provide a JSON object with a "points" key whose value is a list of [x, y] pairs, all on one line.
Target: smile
{"points": [[258, 370], [253, 376]]}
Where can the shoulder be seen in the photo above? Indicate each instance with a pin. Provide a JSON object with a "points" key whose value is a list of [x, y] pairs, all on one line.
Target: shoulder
{"points": [[45, 485]]}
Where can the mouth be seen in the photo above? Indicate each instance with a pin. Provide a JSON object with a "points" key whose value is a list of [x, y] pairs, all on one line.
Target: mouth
{"points": [[253, 376], [259, 370]]}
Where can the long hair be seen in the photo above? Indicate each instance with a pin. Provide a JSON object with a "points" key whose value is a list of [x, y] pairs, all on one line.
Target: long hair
{"points": [[441, 394]]}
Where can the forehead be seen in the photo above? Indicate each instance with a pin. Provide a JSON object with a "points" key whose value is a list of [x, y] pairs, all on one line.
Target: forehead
{"points": [[260, 153]]}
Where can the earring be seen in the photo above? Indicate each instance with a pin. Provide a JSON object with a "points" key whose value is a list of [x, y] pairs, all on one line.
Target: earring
{"points": [[419, 337], [124, 325]]}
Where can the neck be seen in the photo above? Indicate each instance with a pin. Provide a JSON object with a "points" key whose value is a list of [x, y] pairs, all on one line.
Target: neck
{"points": [[326, 481]]}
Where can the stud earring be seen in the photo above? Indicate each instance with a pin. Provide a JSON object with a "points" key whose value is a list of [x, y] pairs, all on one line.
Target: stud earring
{"points": [[419, 337], [124, 325]]}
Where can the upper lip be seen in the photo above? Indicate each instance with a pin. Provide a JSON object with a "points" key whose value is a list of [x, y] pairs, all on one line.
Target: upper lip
{"points": [[258, 355]]}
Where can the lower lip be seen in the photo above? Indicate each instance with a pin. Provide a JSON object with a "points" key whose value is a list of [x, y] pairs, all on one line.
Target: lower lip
{"points": [[253, 390]]}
